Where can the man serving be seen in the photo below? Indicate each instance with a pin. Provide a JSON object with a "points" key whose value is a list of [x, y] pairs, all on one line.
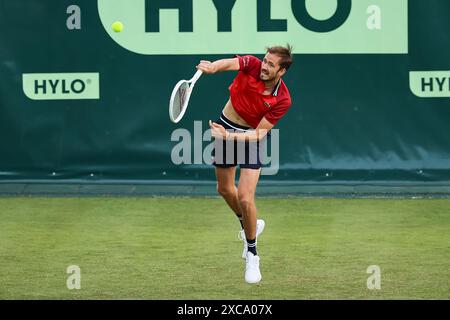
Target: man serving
{"points": [[258, 99]]}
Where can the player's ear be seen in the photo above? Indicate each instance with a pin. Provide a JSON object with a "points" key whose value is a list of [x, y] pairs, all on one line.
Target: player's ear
{"points": [[282, 72]]}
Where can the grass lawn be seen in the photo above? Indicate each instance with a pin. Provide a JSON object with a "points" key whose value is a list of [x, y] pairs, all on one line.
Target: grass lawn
{"points": [[187, 248]]}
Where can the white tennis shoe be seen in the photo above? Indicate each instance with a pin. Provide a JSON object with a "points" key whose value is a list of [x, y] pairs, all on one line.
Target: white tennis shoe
{"points": [[260, 224], [252, 273]]}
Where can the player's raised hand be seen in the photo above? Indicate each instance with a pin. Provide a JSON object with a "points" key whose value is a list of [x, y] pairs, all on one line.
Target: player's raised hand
{"points": [[207, 67]]}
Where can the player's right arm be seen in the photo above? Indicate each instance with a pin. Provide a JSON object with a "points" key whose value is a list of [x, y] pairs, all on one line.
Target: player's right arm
{"points": [[209, 67]]}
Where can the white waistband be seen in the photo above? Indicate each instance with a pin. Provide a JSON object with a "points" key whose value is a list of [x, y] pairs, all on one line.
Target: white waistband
{"points": [[235, 128]]}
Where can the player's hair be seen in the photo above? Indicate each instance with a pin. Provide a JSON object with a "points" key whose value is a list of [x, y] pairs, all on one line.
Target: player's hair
{"points": [[285, 53]]}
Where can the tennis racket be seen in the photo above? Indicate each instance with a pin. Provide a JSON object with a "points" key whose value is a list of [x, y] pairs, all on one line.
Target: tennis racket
{"points": [[180, 97]]}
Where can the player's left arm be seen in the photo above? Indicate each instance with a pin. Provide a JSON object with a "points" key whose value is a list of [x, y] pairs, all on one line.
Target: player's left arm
{"points": [[264, 126]]}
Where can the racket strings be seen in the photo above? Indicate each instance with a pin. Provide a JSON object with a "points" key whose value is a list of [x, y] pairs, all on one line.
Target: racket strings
{"points": [[182, 98]]}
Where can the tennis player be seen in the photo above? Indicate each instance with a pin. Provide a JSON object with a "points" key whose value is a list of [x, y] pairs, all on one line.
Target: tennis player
{"points": [[258, 99]]}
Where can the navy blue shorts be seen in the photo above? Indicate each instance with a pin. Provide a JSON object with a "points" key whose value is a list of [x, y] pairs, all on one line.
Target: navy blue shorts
{"points": [[228, 153]]}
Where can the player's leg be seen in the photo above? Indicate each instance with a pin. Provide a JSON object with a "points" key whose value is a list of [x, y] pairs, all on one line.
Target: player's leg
{"points": [[246, 195], [226, 187]]}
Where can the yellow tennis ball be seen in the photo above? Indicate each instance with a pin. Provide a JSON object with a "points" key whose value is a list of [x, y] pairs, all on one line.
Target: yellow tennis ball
{"points": [[117, 26]]}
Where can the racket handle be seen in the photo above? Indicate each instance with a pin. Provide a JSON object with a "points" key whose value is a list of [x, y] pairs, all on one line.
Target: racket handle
{"points": [[196, 76]]}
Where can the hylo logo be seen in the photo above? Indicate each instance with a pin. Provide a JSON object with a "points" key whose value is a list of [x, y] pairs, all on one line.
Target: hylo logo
{"points": [[430, 84], [61, 86], [230, 26]]}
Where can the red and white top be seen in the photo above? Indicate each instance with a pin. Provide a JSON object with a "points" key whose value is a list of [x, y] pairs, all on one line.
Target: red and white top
{"points": [[246, 93]]}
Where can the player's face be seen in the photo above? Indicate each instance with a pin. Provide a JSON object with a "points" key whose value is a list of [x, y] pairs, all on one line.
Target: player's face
{"points": [[270, 67]]}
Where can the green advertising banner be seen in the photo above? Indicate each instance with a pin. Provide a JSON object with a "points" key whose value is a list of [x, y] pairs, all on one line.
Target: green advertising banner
{"points": [[226, 27], [82, 102]]}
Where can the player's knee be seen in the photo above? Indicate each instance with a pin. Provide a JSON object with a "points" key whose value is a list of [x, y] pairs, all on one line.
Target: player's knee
{"points": [[225, 190], [245, 199]]}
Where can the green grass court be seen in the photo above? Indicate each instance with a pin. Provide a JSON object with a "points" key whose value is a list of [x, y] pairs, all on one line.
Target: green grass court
{"points": [[187, 248]]}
